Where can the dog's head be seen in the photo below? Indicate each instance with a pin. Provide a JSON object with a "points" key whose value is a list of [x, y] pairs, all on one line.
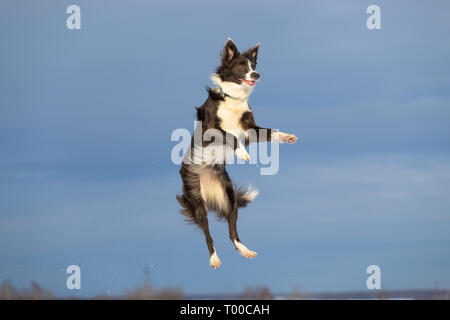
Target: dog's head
{"points": [[238, 68]]}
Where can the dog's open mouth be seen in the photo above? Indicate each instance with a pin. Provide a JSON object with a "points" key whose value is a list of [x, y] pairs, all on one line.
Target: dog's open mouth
{"points": [[249, 82]]}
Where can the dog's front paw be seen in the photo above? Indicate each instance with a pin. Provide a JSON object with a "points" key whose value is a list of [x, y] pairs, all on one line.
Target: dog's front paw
{"points": [[242, 154], [288, 138]]}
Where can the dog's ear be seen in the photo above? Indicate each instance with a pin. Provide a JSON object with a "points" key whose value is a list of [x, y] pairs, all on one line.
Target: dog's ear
{"points": [[252, 53], [230, 51]]}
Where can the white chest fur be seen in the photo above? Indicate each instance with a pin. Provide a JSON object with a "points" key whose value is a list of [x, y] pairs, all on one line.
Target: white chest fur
{"points": [[230, 113]]}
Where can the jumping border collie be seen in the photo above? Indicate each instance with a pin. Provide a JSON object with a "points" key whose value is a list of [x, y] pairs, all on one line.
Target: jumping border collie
{"points": [[206, 185]]}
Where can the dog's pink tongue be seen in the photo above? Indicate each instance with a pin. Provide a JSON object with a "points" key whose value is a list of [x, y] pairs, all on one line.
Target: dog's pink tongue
{"points": [[252, 83]]}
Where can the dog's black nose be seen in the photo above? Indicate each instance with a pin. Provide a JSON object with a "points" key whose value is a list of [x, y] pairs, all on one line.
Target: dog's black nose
{"points": [[255, 75]]}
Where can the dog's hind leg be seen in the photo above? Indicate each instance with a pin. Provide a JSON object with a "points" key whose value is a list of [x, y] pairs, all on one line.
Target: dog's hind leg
{"points": [[202, 221], [232, 228]]}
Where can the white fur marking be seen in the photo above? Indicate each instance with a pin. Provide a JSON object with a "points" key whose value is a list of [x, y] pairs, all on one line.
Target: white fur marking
{"points": [[238, 91], [275, 137], [211, 189], [230, 113], [241, 153], [244, 250], [249, 73], [214, 260], [251, 193]]}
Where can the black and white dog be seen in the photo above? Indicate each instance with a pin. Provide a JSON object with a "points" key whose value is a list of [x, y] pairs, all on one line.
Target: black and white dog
{"points": [[206, 184]]}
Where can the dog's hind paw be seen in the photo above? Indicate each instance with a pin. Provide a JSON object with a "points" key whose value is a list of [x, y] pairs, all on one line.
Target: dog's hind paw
{"points": [[244, 251], [214, 261], [249, 254]]}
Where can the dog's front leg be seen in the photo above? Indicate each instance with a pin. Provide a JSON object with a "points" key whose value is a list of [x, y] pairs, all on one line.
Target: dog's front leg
{"points": [[241, 153], [256, 133]]}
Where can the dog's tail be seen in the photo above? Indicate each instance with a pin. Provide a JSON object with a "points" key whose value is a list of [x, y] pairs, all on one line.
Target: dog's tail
{"points": [[244, 197], [187, 210]]}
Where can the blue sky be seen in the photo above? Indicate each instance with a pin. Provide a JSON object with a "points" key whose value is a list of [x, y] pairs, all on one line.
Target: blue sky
{"points": [[86, 118]]}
